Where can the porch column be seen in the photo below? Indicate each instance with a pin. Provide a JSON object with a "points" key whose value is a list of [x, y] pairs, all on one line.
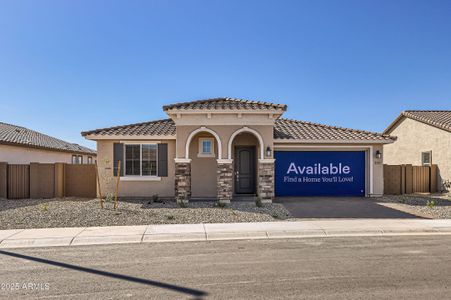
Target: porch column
{"points": [[266, 180], [225, 180], [182, 180]]}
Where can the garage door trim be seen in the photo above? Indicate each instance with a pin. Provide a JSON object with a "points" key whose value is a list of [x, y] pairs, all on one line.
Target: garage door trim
{"points": [[369, 161]]}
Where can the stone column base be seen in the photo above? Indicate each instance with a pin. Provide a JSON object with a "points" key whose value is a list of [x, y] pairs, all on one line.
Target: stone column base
{"points": [[225, 180], [182, 180], [266, 180]]}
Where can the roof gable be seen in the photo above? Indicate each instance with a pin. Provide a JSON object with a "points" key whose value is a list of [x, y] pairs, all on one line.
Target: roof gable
{"points": [[224, 103], [18, 135], [437, 118]]}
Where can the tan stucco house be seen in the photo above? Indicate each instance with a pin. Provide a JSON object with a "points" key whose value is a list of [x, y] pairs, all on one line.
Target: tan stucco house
{"points": [[20, 145], [423, 138], [224, 148]]}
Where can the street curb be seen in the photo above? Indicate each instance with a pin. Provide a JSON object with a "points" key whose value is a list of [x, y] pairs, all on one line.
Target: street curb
{"points": [[53, 237]]}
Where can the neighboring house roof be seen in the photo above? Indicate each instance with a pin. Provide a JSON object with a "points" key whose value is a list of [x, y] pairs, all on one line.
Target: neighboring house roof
{"points": [[154, 128], [225, 103], [21, 136], [437, 118], [286, 129]]}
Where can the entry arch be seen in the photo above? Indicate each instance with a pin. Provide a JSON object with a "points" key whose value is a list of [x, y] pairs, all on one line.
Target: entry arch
{"points": [[203, 129], [246, 129]]}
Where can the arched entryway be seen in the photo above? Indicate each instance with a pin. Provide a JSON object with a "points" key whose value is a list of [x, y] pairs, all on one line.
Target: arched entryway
{"points": [[196, 173], [245, 148], [203, 165]]}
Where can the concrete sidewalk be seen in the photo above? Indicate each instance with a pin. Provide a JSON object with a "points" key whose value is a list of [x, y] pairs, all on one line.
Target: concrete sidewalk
{"points": [[47, 237]]}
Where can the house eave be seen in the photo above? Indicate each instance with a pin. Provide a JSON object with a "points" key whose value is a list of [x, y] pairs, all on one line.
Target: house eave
{"points": [[295, 141], [48, 148], [94, 137]]}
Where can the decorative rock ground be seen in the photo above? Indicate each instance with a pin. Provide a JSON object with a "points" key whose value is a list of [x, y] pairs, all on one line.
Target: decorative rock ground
{"points": [[72, 212]]}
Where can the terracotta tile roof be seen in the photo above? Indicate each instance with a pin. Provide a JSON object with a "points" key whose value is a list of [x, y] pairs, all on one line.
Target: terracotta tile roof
{"points": [[17, 135], [437, 118], [225, 103], [156, 128], [286, 129]]}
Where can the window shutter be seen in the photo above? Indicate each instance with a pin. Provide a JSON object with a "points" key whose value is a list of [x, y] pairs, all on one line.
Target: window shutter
{"points": [[118, 155], [163, 160]]}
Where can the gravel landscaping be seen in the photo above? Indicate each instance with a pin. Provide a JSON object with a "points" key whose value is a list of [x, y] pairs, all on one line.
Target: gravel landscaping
{"points": [[74, 212], [418, 205]]}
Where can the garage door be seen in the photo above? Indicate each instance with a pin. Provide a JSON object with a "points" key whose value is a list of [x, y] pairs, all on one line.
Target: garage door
{"points": [[320, 173]]}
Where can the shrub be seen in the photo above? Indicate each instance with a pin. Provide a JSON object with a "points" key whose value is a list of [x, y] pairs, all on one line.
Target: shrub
{"points": [[259, 202], [156, 198], [170, 217], [431, 203], [45, 207], [109, 197], [446, 186], [220, 204]]}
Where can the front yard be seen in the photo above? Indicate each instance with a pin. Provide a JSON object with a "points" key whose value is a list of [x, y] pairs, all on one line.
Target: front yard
{"points": [[426, 206], [74, 212]]}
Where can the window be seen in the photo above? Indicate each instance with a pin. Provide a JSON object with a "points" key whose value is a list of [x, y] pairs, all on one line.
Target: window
{"points": [[141, 160], [206, 147], [89, 160], [77, 159], [149, 160], [426, 158]]}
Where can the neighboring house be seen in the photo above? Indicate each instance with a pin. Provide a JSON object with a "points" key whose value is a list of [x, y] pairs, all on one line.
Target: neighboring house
{"points": [[423, 138], [19, 145], [223, 148]]}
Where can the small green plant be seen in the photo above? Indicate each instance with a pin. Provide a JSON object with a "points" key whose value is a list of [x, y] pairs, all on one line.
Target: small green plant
{"points": [[183, 204], [155, 199], [446, 186], [275, 216], [45, 207], [220, 204], [431, 203], [109, 198], [170, 217]]}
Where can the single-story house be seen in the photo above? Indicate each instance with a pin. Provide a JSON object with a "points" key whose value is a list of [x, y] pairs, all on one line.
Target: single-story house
{"points": [[423, 138], [20, 145], [223, 148]]}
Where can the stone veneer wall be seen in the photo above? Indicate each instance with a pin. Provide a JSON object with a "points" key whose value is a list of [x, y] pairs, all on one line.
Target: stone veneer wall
{"points": [[225, 181], [266, 181], [182, 182]]}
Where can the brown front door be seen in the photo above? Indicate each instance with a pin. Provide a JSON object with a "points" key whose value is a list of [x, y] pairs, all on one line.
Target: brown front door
{"points": [[244, 170]]}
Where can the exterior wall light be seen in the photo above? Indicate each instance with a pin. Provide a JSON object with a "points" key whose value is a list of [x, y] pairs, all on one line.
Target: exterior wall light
{"points": [[378, 154], [268, 151]]}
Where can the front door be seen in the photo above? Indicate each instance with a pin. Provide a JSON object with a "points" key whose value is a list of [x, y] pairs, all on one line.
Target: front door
{"points": [[244, 170]]}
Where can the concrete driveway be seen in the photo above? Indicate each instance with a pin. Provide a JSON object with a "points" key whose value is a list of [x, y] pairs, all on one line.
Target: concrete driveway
{"points": [[339, 207]]}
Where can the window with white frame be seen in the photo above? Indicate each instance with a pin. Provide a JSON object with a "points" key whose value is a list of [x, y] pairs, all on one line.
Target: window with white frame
{"points": [[89, 160], [77, 159], [426, 158], [206, 147], [141, 160]]}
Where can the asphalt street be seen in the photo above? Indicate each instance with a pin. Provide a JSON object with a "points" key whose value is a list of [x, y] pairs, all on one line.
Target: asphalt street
{"points": [[403, 267]]}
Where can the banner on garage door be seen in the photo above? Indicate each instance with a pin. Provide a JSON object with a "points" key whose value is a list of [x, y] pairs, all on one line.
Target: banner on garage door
{"points": [[320, 173]]}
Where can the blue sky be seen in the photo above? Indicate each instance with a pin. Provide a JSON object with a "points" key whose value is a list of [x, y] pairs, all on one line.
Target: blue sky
{"points": [[68, 66]]}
